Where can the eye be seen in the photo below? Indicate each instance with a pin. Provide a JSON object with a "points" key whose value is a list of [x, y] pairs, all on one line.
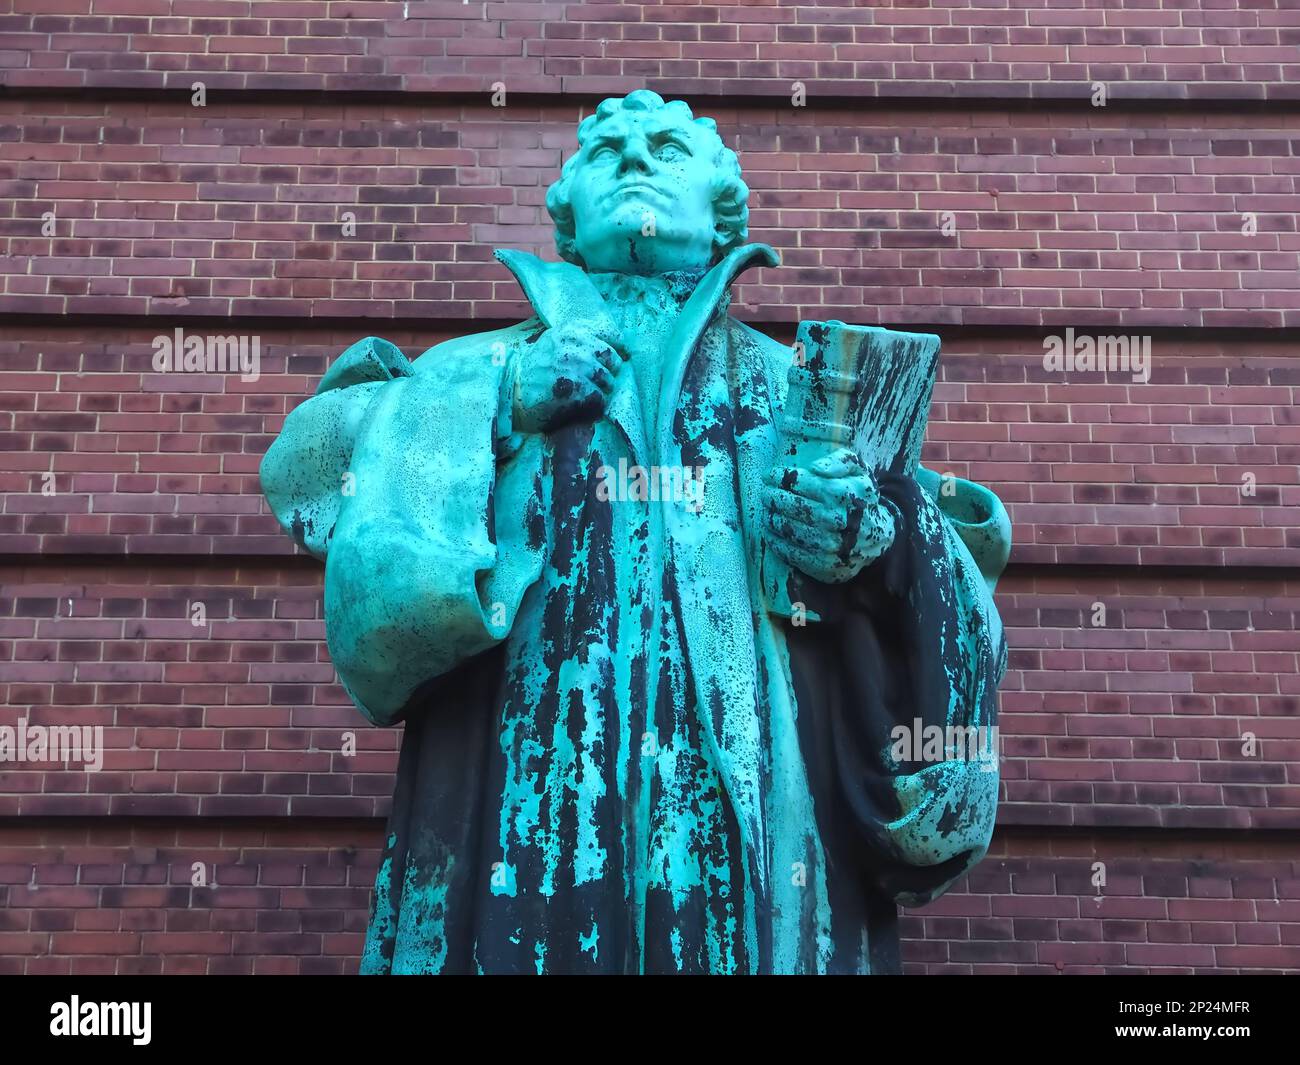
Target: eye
{"points": [[670, 151], [604, 151]]}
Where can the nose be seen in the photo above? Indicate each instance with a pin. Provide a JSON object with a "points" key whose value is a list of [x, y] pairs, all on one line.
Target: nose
{"points": [[635, 157]]}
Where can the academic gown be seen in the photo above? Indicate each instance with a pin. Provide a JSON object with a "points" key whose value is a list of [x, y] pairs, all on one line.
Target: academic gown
{"points": [[618, 756]]}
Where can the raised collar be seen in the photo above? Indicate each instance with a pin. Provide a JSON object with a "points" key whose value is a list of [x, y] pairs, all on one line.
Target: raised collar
{"points": [[562, 292]]}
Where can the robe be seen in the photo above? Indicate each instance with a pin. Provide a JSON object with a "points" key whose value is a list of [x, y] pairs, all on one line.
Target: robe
{"points": [[618, 755]]}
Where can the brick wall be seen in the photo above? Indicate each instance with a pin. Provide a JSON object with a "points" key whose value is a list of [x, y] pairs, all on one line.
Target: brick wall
{"points": [[1056, 217], [291, 897], [127, 496], [949, 48]]}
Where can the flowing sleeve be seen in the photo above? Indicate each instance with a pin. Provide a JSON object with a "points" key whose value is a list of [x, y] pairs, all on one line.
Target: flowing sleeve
{"points": [[305, 471], [427, 511], [914, 738]]}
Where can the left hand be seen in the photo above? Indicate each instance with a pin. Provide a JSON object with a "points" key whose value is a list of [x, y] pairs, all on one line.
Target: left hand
{"points": [[827, 520]]}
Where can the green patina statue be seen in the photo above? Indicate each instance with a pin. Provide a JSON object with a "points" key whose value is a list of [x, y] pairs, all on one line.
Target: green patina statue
{"points": [[686, 643]]}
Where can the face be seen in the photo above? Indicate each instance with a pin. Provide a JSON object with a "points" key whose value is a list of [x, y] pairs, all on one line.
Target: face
{"points": [[642, 195]]}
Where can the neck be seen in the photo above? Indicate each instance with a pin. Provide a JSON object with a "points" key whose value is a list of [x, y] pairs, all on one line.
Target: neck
{"points": [[669, 290]]}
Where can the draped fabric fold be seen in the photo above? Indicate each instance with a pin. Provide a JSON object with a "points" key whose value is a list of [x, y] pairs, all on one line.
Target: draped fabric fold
{"points": [[915, 649]]}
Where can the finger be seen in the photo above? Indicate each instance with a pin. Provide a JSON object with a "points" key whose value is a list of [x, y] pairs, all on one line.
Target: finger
{"points": [[782, 475], [591, 387], [585, 367], [620, 347], [810, 562], [601, 378], [793, 507], [792, 532], [574, 384], [828, 468], [808, 537], [788, 476], [879, 529], [855, 488], [609, 358], [842, 462], [845, 533], [838, 492], [581, 339]]}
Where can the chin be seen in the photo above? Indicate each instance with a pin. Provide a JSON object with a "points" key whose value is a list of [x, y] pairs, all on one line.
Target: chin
{"points": [[619, 249], [618, 246]]}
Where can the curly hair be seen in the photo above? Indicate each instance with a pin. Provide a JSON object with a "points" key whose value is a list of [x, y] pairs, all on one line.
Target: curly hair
{"points": [[730, 193]]}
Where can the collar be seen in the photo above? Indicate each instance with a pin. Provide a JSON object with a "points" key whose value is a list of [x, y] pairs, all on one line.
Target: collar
{"points": [[562, 292]]}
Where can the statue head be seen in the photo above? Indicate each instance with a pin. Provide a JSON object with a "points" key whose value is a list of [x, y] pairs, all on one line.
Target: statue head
{"points": [[651, 189]]}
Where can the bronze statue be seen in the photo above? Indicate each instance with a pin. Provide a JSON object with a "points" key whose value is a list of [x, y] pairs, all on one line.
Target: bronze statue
{"points": [[670, 611]]}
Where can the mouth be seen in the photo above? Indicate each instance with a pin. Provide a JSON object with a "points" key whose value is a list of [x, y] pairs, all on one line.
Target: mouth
{"points": [[636, 188]]}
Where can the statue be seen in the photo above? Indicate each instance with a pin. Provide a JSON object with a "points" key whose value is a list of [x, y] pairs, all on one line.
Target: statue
{"points": [[662, 605]]}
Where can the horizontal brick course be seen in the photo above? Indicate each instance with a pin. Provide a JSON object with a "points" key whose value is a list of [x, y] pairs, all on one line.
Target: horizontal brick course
{"points": [[1139, 721], [1199, 466], [1167, 906], [1168, 49], [290, 899], [1056, 219]]}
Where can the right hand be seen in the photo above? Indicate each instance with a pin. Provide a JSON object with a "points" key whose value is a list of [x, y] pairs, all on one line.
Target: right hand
{"points": [[565, 376]]}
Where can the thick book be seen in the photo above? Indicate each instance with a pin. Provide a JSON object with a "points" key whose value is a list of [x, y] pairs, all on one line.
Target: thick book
{"points": [[864, 387]]}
